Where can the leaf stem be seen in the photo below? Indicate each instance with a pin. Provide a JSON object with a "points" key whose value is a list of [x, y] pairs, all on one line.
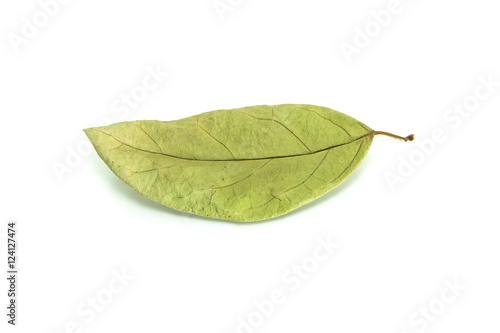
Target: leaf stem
{"points": [[410, 137]]}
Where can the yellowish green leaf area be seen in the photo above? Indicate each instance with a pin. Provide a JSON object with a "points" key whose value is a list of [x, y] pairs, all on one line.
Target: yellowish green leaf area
{"points": [[246, 164]]}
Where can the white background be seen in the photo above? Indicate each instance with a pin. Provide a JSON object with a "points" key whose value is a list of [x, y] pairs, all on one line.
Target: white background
{"points": [[398, 246]]}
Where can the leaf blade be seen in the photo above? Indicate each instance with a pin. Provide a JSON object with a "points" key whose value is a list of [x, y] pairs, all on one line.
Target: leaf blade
{"points": [[243, 164]]}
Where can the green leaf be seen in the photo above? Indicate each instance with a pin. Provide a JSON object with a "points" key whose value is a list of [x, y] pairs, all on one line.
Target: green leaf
{"points": [[246, 164]]}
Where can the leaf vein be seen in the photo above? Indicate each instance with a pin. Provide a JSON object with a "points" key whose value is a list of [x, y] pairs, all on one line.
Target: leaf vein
{"points": [[238, 181], [312, 173], [334, 123], [283, 125], [350, 164], [156, 143], [213, 137]]}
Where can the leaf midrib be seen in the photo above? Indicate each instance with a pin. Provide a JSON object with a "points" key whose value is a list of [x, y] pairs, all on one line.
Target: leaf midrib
{"points": [[237, 159]]}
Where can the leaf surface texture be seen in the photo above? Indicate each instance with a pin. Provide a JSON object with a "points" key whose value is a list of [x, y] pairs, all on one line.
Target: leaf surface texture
{"points": [[245, 164]]}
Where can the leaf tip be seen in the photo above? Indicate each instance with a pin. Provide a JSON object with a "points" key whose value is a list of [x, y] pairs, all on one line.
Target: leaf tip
{"points": [[88, 131]]}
